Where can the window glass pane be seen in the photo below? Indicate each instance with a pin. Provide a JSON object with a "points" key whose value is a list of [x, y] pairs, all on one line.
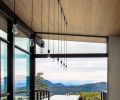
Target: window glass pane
{"points": [[3, 67], [80, 71], [3, 28], [22, 40], [21, 71], [74, 47]]}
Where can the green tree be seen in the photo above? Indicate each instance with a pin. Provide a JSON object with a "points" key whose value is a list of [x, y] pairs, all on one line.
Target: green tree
{"points": [[39, 85]]}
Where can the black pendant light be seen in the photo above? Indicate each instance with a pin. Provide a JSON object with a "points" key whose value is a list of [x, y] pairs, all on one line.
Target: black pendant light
{"points": [[41, 49], [14, 28], [32, 34], [66, 46], [48, 28], [64, 41], [61, 38], [58, 32], [54, 29]]}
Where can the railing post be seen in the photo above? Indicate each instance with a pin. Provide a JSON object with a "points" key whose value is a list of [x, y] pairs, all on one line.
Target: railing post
{"points": [[48, 95], [40, 95], [37, 95]]}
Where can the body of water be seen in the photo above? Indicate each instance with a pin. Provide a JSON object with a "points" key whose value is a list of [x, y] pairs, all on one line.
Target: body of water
{"points": [[64, 97]]}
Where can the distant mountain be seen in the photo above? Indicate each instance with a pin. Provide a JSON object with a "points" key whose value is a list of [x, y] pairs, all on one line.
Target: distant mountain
{"points": [[48, 83], [60, 89], [59, 85]]}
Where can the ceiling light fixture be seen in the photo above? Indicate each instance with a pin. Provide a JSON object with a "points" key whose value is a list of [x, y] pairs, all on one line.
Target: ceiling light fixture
{"points": [[54, 30], [61, 37], [66, 46], [14, 28], [58, 33], [64, 41], [32, 43], [48, 28], [42, 44]]}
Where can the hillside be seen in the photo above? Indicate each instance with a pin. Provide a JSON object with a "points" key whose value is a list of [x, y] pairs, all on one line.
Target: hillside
{"points": [[60, 89]]}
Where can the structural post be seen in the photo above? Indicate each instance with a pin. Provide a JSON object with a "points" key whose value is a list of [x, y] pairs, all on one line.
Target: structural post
{"points": [[0, 68], [10, 68], [32, 71]]}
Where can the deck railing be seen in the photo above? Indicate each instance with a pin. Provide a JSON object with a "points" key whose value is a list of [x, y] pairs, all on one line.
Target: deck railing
{"points": [[42, 94]]}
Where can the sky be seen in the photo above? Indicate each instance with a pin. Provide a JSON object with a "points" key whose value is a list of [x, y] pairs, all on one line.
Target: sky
{"points": [[80, 70]]}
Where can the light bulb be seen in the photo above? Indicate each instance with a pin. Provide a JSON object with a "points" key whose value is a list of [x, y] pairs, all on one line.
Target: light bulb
{"points": [[53, 59], [48, 53], [64, 64], [58, 61], [48, 56], [14, 29], [61, 63], [31, 42], [41, 50]]}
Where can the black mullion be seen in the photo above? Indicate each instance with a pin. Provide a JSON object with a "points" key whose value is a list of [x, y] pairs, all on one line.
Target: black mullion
{"points": [[10, 60], [4, 40], [96, 55], [32, 71], [22, 49], [80, 35]]}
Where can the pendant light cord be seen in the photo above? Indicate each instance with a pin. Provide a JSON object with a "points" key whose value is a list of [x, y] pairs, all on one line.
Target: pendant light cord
{"points": [[48, 25], [66, 44], [14, 8], [64, 40], [61, 35], [41, 18], [58, 30], [54, 26], [32, 17]]}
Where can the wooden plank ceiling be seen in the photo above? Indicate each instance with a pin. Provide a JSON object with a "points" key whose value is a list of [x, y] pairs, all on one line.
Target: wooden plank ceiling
{"points": [[85, 17]]}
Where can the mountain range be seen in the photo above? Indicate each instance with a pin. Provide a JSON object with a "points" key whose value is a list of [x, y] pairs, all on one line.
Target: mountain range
{"points": [[61, 89]]}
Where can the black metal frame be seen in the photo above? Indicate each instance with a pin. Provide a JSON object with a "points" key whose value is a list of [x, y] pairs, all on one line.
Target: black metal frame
{"points": [[80, 35], [10, 68], [95, 55], [8, 14], [32, 72]]}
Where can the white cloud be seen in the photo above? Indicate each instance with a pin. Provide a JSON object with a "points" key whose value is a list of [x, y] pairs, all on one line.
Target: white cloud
{"points": [[79, 70]]}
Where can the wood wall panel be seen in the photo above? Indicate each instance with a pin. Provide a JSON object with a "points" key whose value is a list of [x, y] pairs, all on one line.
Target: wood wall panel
{"points": [[87, 17]]}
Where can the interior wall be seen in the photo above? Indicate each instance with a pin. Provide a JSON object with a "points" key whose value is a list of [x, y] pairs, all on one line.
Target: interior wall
{"points": [[114, 68]]}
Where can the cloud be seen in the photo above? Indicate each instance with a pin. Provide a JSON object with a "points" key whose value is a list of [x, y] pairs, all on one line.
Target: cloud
{"points": [[79, 70]]}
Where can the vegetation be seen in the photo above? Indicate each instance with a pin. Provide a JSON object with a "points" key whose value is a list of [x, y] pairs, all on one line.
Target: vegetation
{"points": [[39, 85], [91, 95]]}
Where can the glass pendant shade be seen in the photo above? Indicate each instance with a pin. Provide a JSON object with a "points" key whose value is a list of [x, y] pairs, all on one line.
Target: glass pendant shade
{"points": [[41, 50], [14, 29], [48, 53], [31, 42], [53, 59]]}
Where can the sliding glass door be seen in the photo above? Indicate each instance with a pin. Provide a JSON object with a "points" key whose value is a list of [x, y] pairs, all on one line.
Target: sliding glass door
{"points": [[22, 66], [3, 57], [3, 51]]}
